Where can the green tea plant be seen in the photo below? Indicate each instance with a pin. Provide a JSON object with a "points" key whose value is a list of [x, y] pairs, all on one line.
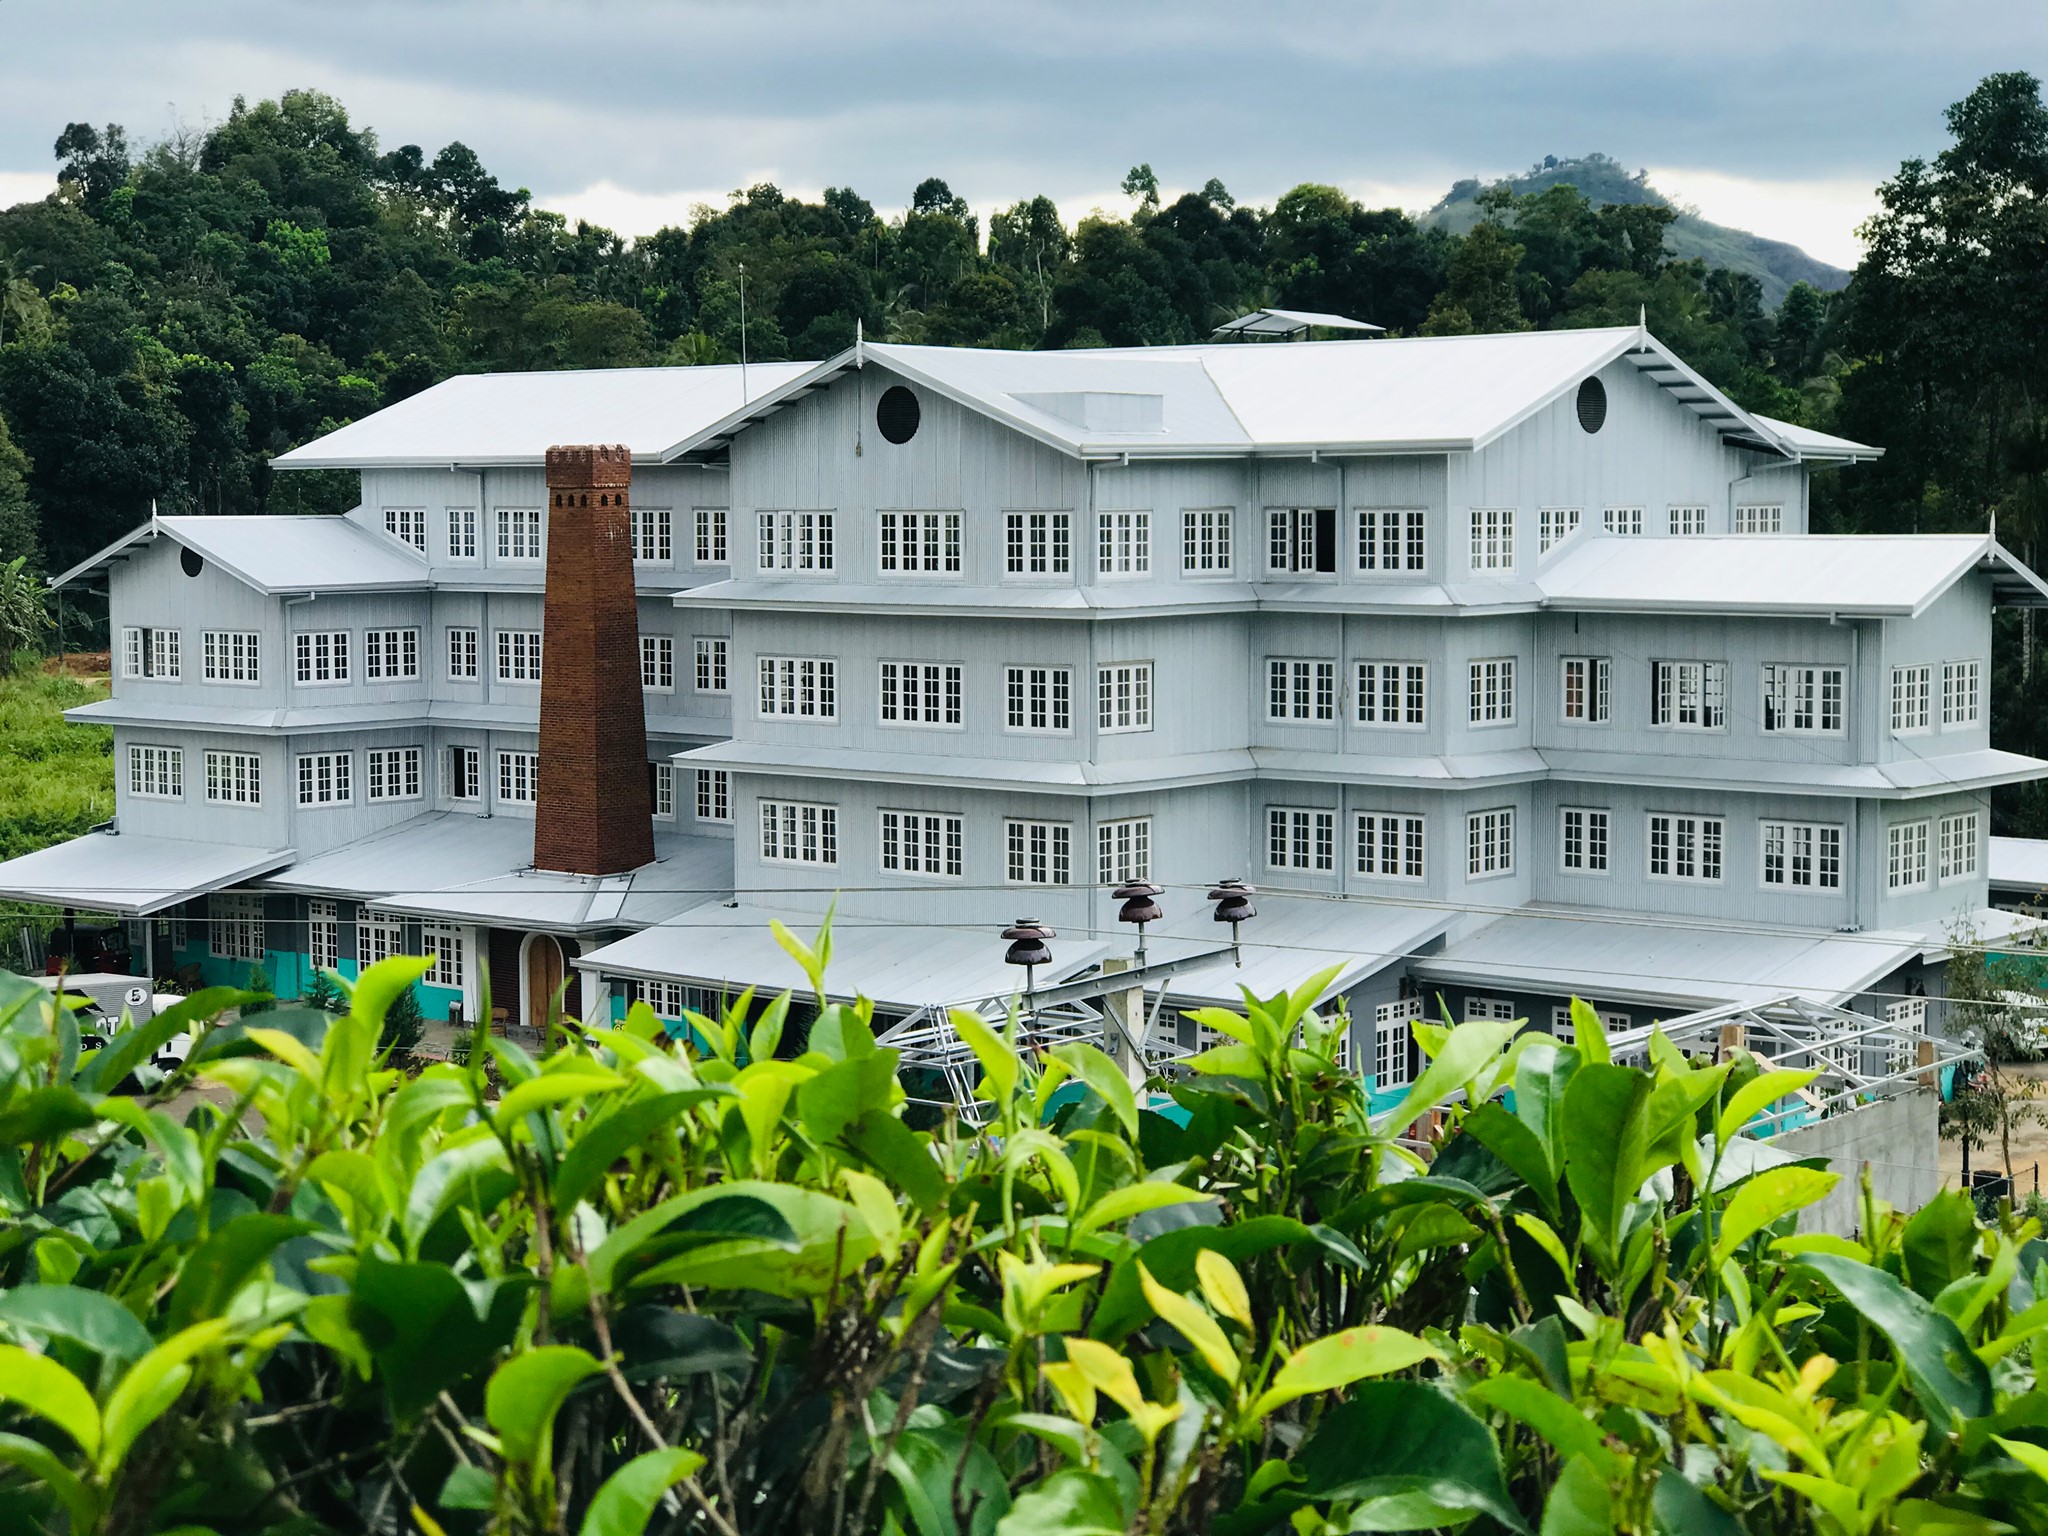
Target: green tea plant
{"points": [[717, 1284]]}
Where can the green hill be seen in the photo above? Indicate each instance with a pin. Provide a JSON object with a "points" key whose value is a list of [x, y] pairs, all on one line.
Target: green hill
{"points": [[1602, 179]]}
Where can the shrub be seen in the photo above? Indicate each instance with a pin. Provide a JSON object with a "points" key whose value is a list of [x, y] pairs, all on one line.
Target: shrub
{"points": [[682, 1286]]}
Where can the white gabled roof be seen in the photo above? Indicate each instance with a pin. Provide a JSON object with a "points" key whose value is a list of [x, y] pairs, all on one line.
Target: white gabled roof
{"points": [[491, 419], [1861, 575], [276, 554], [1426, 394], [130, 875]]}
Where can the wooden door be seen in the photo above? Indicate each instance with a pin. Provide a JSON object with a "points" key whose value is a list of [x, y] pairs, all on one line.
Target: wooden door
{"points": [[543, 976]]}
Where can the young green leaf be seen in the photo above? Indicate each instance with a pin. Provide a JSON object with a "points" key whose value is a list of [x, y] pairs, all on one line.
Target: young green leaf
{"points": [[1194, 1325], [527, 1391], [1340, 1359], [47, 1390]]}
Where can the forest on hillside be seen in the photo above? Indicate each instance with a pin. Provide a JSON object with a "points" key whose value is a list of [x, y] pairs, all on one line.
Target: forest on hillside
{"points": [[177, 313]]}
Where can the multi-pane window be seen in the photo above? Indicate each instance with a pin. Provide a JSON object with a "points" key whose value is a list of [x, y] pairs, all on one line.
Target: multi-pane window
{"points": [[379, 936], [658, 663], [391, 654], [1554, 525], [1123, 696], [714, 794], [1689, 695], [1038, 852], [230, 655], [1803, 700], [1393, 1028], [661, 782], [149, 652], [711, 536], [796, 832], [462, 773], [519, 533], [1389, 846], [1301, 540], [235, 921], [1490, 842], [1958, 846], [1298, 838], [1623, 520], [1038, 543], [922, 843], [326, 778], [920, 692], [794, 541], [1392, 539], [1587, 689], [1301, 690], [1906, 855], [444, 942], [1801, 856], [652, 530], [323, 934], [799, 687], [1491, 699], [919, 543], [1687, 522], [1960, 693], [1123, 543], [1484, 1009], [408, 525], [1583, 840], [1912, 688], [462, 533], [156, 773], [518, 655], [1686, 847], [1493, 538], [1123, 850], [1393, 693], [1565, 1032], [392, 773], [1760, 519], [1039, 698], [1205, 540], [462, 653], [234, 778], [711, 664], [518, 777], [320, 657]]}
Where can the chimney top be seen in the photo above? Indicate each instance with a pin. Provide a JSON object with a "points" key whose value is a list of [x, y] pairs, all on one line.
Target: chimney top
{"points": [[591, 464]]}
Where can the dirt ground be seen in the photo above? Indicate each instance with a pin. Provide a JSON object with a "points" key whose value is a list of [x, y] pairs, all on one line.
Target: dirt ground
{"points": [[2029, 1143]]}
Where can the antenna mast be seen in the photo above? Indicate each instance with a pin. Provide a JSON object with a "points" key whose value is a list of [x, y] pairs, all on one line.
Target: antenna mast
{"points": [[743, 333]]}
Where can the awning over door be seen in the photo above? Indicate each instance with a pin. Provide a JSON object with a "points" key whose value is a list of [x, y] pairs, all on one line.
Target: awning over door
{"points": [[132, 876]]}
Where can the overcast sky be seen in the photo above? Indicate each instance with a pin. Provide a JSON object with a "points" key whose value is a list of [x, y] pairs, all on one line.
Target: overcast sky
{"points": [[1778, 117]]}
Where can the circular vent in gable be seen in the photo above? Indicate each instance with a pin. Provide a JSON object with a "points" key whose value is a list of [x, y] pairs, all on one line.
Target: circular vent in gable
{"points": [[1592, 405], [896, 414], [192, 561]]}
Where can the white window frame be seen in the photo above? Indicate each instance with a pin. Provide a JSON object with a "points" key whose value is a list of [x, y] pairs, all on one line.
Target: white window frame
{"points": [[658, 663], [651, 531], [1492, 545], [231, 657], [1624, 522], [324, 779], [714, 795], [1585, 690], [464, 653], [461, 535], [1490, 843], [925, 695], [1038, 700], [518, 777], [1759, 518], [1686, 520], [156, 772], [1393, 1032], [1295, 545], [1585, 840], [929, 845], [519, 656], [1488, 1010], [453, 759], [1958, 842], [1801, 857], [797, 688], [795, 542], [1123, 850], [1207, 537], [519, 537], [448, 943], [1392, 540], [1554, 525], [799, 832], [1804, 699], [379, 936], [1913, 699], [237, 927], [1038, 544], [663, 786], [320, 658], [917, 543], [153, 652], [391, 655], [1565, 1032], [1301, 839], [1038, 852], [1123, 543], [1962, 693], [393, 773], [1696, 687], [1390, 845], [1691, 847], [1123, 697], [1301, 690], [323, 934], [233, 778], [711, 675], [1392, 695], [1908, 857], [408, 525], [711, 533], [1490, 692]]}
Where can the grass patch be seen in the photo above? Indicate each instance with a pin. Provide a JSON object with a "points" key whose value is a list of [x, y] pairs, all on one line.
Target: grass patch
{"points": [[56, 780]]}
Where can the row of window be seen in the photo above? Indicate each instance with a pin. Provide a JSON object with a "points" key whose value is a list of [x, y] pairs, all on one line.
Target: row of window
{"points": [[517, 533], [933, 843], [1793, 856], [926, 693]]}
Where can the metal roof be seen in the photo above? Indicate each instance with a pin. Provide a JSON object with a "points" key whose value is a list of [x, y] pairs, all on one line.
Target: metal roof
{"points": [[1293, 937], [278, 554], [1653, 961], [1290, 322], [482, 420], [132, 876], [2019, 863], [1429, 394]]}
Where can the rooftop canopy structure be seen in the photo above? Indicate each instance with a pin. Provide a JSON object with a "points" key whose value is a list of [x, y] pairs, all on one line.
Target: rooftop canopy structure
{"points": [[1288, 324]]}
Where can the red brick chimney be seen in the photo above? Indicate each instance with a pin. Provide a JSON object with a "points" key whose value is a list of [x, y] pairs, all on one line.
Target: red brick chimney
{"points": [[593, 812]]}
